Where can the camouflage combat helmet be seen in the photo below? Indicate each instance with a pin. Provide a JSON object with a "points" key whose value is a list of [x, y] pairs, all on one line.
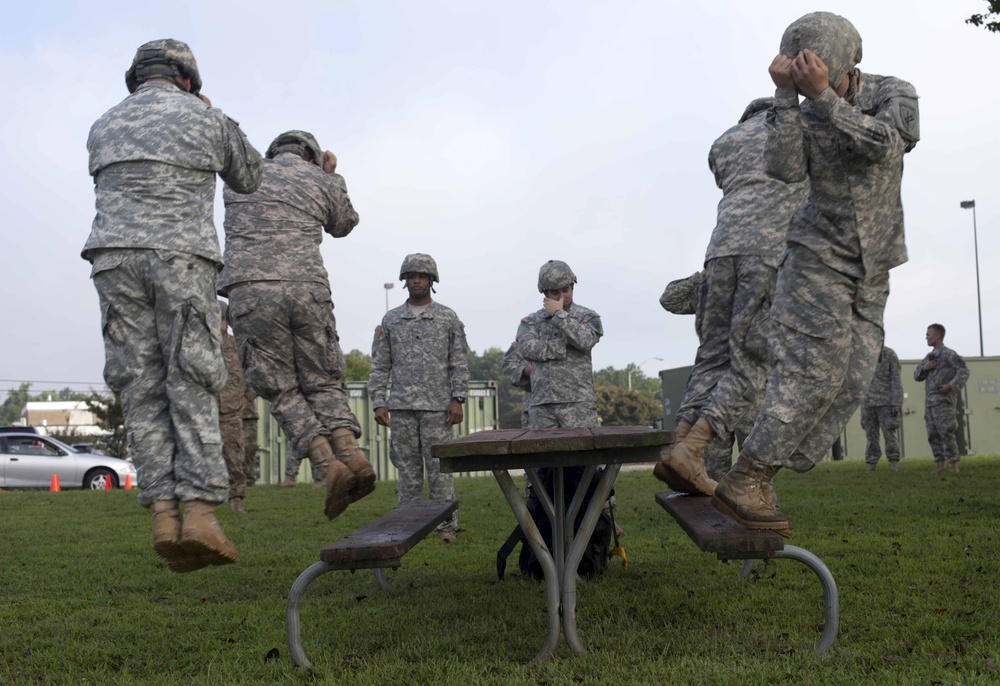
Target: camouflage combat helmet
{"points": [[756, 106], [830, 36], [298, 142], [419, 263], [163, 59], [553, 275]]}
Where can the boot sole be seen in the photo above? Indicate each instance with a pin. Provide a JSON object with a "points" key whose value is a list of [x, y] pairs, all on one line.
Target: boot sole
{"points": [[678, 483], [365, 485], [783, 531], [339, 497], [204, 554]]}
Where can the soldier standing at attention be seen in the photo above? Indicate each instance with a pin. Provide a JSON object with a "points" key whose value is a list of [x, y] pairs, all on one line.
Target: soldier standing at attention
{"points": [[518, 372], [281, 309], [421, 346], [944, 374], [231, 419], [880, 409], [155, 257], [726, 386], [848, 139], [557, 341]]}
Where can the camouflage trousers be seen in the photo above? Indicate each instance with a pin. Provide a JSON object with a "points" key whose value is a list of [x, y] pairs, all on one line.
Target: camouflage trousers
{"points": [[884, 418], [718, 455], [251, 465], [290, 354], [293, 465], [825, 341], [941, 421], [730, 370], [413, 434], [563, 415], [231, 427], [163, 356]]}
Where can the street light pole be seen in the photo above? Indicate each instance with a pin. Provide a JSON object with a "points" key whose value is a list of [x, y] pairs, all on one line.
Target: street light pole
{"points": [[638, 367], [388, 285], [971, 204]]}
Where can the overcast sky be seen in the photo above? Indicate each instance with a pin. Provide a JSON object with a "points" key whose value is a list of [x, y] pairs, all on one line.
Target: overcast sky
{"points": [[494, 136]]}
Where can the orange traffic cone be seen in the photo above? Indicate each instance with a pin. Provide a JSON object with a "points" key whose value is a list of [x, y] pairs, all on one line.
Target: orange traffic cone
{"points": [[128, 482], [54, 486], [107, 483]]}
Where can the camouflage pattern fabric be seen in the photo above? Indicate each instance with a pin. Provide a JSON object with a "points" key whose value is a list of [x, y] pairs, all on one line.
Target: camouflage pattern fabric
{"points": [[884, 418], [251, 465], [293, 465], [413, 434], [941, 421], [874, 133], [886, 387], [681, 296], [755, 209], [940, 409], [275, 233], [832, 37], [419, 263], [231, 418], [154, 158], [163, 356], [950, 369], [563, 415], [825, 340], [426, 356], [558, 347], [555, 274], [513, 367], [290, 354]]}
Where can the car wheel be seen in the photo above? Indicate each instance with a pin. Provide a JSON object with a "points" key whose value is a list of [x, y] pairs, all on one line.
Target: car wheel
{"points": [[98, 479]]}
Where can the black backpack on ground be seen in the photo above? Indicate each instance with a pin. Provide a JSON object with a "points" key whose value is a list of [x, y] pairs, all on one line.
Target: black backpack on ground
{"points": [[595, 555]]}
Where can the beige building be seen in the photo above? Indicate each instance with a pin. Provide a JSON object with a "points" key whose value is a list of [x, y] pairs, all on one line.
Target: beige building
{"points": [[61, 417]]}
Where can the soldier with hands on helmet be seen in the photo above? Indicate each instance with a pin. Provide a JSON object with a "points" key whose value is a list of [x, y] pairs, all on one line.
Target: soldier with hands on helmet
{"points": [[557, 341], [848, 138], [281, 309], [420, 347], [155, 255]]}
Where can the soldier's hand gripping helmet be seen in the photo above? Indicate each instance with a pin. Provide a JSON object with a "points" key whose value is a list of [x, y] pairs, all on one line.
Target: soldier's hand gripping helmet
{"points": [[302, 143], [419, 263], [830, 36], [163, 59], [553, 275]]}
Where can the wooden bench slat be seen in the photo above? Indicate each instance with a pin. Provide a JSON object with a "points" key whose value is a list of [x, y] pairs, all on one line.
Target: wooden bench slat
{"points": [[714, 532], [629, 437], [552, 441], [385, 540]]}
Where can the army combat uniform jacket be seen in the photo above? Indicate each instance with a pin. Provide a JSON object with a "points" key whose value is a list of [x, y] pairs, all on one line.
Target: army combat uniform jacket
{"points": [[558, 347]]}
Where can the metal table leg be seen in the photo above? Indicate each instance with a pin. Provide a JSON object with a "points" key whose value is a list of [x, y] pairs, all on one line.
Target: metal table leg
{"points": [[534, 537], [292, 633], [580, 542]]}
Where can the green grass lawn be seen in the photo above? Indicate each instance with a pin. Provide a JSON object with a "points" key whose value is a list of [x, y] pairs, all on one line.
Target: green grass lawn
{"points": [[83, 599]]}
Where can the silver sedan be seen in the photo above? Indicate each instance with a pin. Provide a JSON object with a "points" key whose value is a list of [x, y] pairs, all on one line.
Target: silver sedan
{"points": [[30, 461]]}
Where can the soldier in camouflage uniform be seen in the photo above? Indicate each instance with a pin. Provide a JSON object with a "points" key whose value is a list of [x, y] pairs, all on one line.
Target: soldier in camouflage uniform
{"points": [[557, 341], [727, 382], [848, 139], [686, 296], [944, 374], [155, 256], [251, 465], [282, 312], [421, 347], [880, 410], [231, 419], [518, 371]]}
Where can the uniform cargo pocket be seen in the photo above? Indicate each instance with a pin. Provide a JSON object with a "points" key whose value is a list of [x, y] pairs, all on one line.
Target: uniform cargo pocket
{"points": [[200, 355]]}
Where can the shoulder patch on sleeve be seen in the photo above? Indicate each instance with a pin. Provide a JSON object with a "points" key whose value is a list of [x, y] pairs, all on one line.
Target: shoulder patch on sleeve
{"points": [[527, 320], [378, 332], [906, 117]]}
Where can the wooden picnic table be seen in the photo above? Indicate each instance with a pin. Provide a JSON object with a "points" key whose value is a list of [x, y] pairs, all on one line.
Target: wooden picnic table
{"points": [[507, 449]]}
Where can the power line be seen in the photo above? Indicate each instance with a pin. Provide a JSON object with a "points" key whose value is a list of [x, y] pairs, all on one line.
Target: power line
{"points": [[68, 383]]}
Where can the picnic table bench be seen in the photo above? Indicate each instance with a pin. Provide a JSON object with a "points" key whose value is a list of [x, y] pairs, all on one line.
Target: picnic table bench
{"points": [[377, 545], [506, 449], [714, 532]]}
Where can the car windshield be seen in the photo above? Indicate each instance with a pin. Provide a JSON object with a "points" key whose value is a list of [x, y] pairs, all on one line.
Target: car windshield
{"points": [[67, 448]]}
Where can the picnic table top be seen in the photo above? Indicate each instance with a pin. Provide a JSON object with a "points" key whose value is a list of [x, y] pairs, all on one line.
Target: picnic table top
{"points": [[525, 448]]}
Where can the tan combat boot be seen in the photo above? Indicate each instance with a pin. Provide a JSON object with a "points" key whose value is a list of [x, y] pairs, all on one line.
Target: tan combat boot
{"points": [[745, 494], [682, 430], [339, 479], [939, 467], [684, 469], [236, 506], [202, 537], [166, 529], [894, 466], [870, 468], [953, 467], [288, 482], [345, 447]]}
